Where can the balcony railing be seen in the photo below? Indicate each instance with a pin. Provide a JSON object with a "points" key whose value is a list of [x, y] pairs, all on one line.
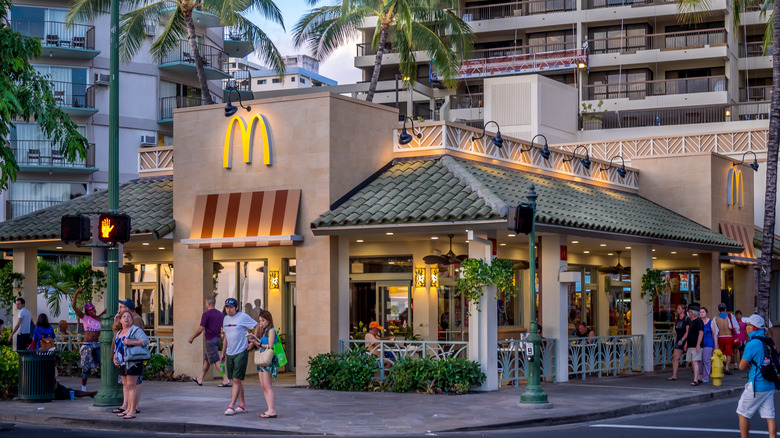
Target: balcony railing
{"points": [[212, 56], [755, 94], [676, 40], [676, 116], [168, 104], [517, 9], [57, 34], [367, 49], [20, 208], [43, 153], [466, 101], [521, 59], [664, 87], [73, 94], [241, 80], [597, 4], [754, 49]]}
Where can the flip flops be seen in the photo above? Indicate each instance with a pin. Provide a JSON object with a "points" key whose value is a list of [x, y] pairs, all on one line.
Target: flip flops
{"points": [[267, 416], [224, 386], [194, 379], [697, 383]]}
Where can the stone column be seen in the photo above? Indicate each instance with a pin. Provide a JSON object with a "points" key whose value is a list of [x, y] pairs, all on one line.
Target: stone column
{"points": [[26, 263], [426, 300], [194, 274], [744, 289], [641, 311], [483, 325], [344, 290], [555, 301], [601, 306], [709, 281]]}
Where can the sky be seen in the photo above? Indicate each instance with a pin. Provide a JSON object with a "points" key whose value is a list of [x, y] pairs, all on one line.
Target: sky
{"points": [[339, 66]]}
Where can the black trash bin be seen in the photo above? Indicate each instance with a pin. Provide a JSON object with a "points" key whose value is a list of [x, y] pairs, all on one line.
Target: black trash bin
{"points": [[36, 375]]}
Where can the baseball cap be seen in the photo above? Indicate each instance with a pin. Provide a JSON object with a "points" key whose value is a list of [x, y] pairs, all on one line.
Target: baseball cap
{"points": [[375, 325], [755, 320], [232, 302], [89, 306], [129, 303]]}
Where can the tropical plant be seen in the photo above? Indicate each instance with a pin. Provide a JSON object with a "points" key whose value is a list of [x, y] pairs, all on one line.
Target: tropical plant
{"points": [[10, 282], [429, 26], [433, 376], [589, 112], [177, 16], [9, 372], [695, 10], [475, 274], [26, 95], [351, 370], [653, 282], [60, 280]]}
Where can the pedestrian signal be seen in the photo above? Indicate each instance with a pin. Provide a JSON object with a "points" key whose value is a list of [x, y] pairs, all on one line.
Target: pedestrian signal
{"points": [[74, 228], [114, 228], [520, 219]]}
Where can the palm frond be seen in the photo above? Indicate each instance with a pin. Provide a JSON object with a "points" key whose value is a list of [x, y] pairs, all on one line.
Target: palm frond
{"points": [[132, 31], [265, 49], [693, 11], [171, 36]]}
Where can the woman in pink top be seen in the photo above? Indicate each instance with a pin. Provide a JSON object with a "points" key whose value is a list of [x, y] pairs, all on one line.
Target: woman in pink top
{"points": [[90, 350]]}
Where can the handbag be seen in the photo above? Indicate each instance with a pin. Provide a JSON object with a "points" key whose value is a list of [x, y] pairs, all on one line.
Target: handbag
{"points": [[264, 358], [280, 355], [47, 344], [136, 353]]}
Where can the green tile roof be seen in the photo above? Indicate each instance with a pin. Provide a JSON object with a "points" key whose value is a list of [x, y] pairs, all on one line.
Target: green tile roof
{"points": [[758, 242], [447, 189], [148, 201]]}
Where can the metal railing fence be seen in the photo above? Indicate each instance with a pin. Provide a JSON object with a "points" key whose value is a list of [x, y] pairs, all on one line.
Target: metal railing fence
{"points": [[513, 363], [605, 355], [388, 352]]}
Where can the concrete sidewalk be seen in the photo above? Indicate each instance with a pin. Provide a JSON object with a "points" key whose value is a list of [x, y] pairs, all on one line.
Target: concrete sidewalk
{"points": [[187, 408]]}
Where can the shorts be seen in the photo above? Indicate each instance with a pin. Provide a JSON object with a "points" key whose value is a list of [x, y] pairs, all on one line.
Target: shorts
{"points": [[236, 365], [749, 403], [211, 353], [693, 355], [725, 343], [678, 346], [90, 358], [136, 369]]}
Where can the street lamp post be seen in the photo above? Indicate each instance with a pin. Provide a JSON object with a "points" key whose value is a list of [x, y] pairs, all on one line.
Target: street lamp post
{"points": [[534, 394]]}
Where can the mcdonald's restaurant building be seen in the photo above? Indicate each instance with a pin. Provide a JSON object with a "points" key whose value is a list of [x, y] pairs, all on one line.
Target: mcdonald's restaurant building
{"points": [[309, 207]]}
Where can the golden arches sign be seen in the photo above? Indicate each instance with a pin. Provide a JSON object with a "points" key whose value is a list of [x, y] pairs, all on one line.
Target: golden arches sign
{"points": [[735, 191], [248, 132]]}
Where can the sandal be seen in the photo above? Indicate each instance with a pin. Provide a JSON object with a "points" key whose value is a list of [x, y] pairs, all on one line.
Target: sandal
{"points": [[118, 410], [695, 383], [672, 378], [264, 415], [128, 417]]}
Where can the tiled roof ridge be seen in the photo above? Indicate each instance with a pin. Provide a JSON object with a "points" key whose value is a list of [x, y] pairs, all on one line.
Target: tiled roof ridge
{"points": [[469, 180]]}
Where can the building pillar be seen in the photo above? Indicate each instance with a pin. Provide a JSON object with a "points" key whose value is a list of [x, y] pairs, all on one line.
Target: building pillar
{"points": [[275, 302], [344, 289], [483, 325], [744, 289], [555, 302], [641, 311], [601, 306], [194, 274], [26, 263], [425, 300], [709, 281]]}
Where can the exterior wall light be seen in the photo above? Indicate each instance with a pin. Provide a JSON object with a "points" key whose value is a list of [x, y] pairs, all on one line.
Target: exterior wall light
{"points": [[621, 171], [585, 161], [273, 279], [405, 137], [419, 277], [231, 109], [753, 165], [497, 140], [545, 152], [434, 276]]}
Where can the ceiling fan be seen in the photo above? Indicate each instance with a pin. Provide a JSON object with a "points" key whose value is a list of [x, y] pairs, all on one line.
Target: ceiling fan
{"points": [[447, 259], [617, 269]]}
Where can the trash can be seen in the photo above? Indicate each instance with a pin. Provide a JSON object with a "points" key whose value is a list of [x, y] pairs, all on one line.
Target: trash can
{"points": [[36, 375]]}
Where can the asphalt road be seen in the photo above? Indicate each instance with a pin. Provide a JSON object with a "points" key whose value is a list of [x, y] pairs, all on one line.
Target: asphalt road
{"points": [[711, 420]]}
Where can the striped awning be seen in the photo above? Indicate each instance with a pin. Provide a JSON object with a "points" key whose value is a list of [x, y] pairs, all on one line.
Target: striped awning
{"points": [[233, 220], [743, 235]]}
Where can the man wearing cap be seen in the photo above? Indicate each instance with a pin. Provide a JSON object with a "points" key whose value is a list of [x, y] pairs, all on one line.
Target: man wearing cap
{"points": [[211, 324], [90, 349], [235, 351], [759, 392], [695, 337], [373, 331]]}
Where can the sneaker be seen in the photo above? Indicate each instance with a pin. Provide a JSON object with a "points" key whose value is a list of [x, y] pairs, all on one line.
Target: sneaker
{"points": [[240, 409], [230, 411]]}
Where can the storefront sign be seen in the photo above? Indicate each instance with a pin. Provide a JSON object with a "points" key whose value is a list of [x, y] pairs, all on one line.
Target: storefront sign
{"points": [[735, 191], [247, 133]]}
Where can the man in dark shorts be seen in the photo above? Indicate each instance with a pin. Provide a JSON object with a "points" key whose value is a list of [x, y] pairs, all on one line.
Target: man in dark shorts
{"points": [[211, 324], [235, 349]]}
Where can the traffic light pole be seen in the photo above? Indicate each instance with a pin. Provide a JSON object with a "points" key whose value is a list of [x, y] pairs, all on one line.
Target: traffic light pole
{"points": [[110, 393]]}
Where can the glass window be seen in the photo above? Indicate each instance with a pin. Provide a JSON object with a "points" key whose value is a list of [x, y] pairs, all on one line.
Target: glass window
{"points": [[165, 292], [253, 285]]}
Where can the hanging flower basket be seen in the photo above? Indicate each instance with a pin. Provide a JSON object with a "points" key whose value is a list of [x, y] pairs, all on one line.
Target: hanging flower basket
{"points": [[475, 274]]}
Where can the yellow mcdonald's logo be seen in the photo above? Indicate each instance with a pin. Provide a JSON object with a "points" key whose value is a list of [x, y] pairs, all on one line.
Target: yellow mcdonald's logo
{"points": [[735, 191], [248, 133]]}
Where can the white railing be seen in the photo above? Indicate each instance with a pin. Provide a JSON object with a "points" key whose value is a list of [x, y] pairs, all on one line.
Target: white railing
{"points": [[605, 355], [391, 351], [513, 363], [157, 344]]}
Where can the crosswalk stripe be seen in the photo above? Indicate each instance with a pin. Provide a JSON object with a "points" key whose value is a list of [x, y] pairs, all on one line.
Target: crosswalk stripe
{"points": [[681, 429]]}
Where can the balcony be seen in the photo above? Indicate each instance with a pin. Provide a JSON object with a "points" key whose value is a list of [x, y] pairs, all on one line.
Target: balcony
{"points": [[241, 82], [74, 98], [662, 41], [676, 116], [663, 87], [755, 94], [42, 156], [600, 4], [521, 59], [181, 60], [236, 44], [16, 208], [754, 49], [75, 42], [467, 101], [516, 9], [168, 104]]}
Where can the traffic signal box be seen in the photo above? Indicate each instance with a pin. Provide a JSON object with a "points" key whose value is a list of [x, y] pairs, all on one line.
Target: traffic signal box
{"points": [[114, 228], [520, 219], [74, 228]]}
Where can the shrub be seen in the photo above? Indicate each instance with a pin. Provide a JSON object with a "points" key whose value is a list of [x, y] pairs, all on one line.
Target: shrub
{"points": [[9, 372], [409, 374], [69, 363], [434, 376], [457, 375], [158, 367], [351, 370]]}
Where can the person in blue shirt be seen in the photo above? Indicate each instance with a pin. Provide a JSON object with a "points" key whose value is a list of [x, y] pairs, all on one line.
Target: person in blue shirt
{"points": [[759, 392]]}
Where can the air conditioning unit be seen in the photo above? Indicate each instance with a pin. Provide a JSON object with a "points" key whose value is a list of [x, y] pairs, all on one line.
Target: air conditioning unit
{"points": [[102, 79], [148, 140]]}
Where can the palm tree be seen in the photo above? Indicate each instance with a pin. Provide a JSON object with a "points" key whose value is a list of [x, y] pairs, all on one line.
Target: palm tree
{"points": [[177, 16], [430, 26], [61, 280], [692, 10]]}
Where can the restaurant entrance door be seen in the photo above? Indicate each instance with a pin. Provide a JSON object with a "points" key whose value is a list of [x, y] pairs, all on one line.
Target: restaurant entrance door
{"points": [[290, 297], [387, 302]]}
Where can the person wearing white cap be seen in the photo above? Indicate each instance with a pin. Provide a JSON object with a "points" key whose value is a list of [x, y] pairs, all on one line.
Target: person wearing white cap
{"points": [[759, 392]]}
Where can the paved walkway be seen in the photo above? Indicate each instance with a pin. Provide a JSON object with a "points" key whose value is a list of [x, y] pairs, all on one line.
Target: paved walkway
{"points": [[187, 408]]}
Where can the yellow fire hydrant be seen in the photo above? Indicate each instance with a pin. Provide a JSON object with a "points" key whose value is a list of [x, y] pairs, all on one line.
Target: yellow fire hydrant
{"points": [[717, 367]]}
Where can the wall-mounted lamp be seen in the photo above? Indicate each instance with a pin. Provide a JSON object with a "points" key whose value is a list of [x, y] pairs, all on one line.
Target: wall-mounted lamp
{"points": [[434, 276], [230, 109], [419, 277], [273, 279], [545, 152], [621, 170], [581, 64], [405, 137], [753, 165], [585, 161], [497, 140]]}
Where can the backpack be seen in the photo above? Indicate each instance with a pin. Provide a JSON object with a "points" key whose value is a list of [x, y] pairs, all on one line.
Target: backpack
{"points": [[47, 344], [770, 368]]}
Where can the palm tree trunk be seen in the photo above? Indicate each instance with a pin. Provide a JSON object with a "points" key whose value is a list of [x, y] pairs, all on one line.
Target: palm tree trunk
{"points": [[193, 40], [380, 51], [770, 201]]}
